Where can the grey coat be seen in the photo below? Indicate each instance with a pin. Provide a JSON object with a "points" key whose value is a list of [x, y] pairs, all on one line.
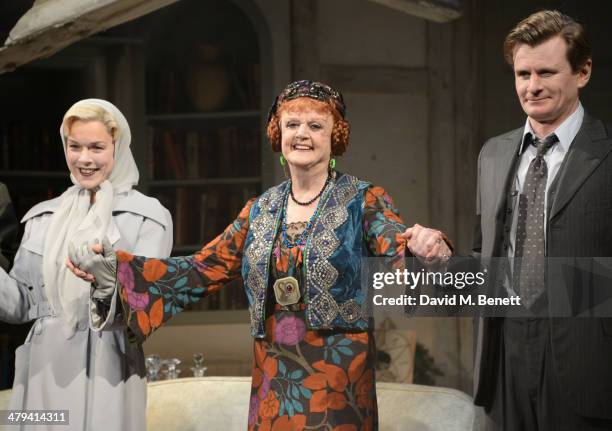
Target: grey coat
{"points": [[96, 375]]}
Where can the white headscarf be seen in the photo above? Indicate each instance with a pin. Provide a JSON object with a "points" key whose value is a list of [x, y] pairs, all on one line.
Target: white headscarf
{"points": [[77, 220]]}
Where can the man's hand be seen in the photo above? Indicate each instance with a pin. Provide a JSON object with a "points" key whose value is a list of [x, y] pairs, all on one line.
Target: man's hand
{"points": [[428, 245], [95, 263]]}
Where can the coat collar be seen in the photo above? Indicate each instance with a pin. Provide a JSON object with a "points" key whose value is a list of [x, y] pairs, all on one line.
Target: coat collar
{"points": [[591, 145], [132, 201]]}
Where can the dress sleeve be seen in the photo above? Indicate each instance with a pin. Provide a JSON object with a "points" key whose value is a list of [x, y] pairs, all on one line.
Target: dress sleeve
{"points": [[154, 240], [154, 290], [383, 225]]}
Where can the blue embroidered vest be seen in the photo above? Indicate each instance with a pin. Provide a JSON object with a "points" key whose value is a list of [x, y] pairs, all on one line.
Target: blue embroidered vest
{"points": [[334, 296]]}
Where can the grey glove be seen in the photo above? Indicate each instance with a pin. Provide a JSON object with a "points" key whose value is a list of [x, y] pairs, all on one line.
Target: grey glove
{"points": [[102, 266]]}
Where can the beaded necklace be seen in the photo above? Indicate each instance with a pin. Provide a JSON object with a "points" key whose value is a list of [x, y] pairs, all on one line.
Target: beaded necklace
{"points": [[300, 240], [305, 204]]}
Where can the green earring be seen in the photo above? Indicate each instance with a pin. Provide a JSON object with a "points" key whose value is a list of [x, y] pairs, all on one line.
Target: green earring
{"points": [[282, 160], [332, 164]]}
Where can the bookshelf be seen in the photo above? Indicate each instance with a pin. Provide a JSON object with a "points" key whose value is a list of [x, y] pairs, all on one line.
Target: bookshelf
{"points": [[203, 121]]}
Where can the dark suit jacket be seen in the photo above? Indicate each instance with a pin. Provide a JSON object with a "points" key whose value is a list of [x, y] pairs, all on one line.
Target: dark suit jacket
{"points": [[579, 225]]}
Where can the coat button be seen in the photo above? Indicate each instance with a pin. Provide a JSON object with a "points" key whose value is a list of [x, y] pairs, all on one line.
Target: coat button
{"points": [[30, 287]]}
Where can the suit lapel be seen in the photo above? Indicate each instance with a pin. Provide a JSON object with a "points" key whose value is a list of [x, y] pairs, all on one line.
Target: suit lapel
{"points": [[590, 147], [507, 154]]}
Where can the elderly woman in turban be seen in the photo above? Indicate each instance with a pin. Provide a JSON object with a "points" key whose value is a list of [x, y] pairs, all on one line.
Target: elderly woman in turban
{"points": [[298, 248]]}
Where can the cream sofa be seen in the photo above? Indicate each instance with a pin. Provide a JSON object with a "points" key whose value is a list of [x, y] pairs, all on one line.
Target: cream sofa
{"points": [[221, 403]]}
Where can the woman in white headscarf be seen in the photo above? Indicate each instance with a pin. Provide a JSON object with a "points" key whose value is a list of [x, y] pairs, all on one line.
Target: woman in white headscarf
{"points": [[63, 364]]}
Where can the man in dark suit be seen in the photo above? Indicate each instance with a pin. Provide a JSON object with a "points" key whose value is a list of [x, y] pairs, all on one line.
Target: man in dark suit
{"points": [[544, 189]]}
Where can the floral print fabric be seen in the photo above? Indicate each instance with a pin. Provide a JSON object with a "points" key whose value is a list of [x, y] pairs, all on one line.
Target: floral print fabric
{"points": [[307, 379], [304, 379], [301, 377], [154, 290]]}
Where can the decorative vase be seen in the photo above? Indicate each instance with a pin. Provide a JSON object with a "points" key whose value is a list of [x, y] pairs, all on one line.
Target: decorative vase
{"points": [[208, 81]]}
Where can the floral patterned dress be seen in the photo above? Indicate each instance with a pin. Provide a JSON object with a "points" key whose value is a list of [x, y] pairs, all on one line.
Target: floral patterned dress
{"points": [[302, 379]]}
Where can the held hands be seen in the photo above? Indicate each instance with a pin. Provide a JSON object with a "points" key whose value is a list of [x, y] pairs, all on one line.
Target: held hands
{"points": [[94, 263], [428, 245]]}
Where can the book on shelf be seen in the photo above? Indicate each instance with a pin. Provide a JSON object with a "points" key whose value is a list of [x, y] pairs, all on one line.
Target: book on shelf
{"points": [[204, 219], [168, 201], [226, 152], [208, 157], [227, 156], [183, 218], [250, 148], [209, 214], [214, 300], [161, 150], [174, 156], [236, 296], [192, 148]]}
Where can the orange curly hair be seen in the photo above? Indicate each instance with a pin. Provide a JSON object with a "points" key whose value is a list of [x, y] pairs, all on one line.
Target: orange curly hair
{"points": [[340, 131]]}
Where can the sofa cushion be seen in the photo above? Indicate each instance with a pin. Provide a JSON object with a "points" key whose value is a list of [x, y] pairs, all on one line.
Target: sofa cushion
{"points": [[196, 404], [424, 408], [222, 403]]}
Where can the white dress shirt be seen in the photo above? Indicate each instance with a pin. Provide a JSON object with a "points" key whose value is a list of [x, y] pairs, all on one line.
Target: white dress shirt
{"points": [[554, 157], [566, 133]]}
